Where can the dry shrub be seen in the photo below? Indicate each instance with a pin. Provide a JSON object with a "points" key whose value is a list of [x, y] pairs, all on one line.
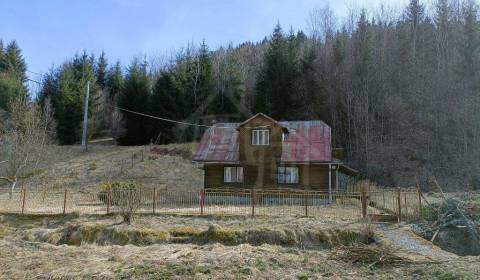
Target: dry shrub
{"points": [[373, 255]]}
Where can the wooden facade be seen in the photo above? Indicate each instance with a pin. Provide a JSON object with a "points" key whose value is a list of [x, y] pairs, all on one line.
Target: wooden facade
{"points": [[232, 145]]}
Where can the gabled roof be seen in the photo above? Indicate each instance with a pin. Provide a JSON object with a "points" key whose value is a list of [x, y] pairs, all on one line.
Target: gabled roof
{"points": [[307, 141], [264, 116]]}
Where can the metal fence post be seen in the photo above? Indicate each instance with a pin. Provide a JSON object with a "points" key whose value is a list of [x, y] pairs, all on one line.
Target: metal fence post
{"points": [[109, 200], [253, 202], [363, 196], [305, 195], [202, 200], [419, 201], [23, 200], [154, 200], [65, 202], [399, 205]]}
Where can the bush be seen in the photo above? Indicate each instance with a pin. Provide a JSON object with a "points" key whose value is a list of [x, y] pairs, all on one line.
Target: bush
{"points": [[127, 196]]}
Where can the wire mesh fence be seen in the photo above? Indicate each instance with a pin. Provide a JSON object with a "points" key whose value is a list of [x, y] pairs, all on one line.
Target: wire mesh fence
{"points": [[335, 205]]}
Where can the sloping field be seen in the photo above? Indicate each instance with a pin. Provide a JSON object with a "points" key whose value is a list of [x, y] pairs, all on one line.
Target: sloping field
{"points": [[70, 167]]}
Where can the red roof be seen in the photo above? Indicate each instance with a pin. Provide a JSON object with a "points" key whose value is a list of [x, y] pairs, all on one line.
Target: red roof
{"points": [[306, 141]]}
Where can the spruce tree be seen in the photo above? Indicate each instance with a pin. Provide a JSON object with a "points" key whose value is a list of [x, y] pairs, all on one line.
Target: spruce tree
{"points": [[15, 63], [101, 71], [135, 97], [276, 81], [162, 103], [115, 81]]}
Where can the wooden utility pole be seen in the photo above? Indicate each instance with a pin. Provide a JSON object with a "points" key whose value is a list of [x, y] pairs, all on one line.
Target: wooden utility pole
{"points": [[85, 118]]}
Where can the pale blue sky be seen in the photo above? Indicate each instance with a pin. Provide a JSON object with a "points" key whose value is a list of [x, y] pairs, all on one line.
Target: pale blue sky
{"points": [[51, 31]]}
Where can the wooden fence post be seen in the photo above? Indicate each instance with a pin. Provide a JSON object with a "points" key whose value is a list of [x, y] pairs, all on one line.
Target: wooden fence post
{"points": [[202, 201], [154, 200], [399, 205], [253, 202], [23, 200], [109, 200], [65, 202], [364, 202], [305, 195], [133, 158]]}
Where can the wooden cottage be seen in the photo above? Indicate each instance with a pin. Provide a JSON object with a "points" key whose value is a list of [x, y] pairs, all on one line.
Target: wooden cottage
{"points": [[264, 153]]}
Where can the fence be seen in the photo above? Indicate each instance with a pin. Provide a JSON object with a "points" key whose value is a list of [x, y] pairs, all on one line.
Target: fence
{"points": [[400, 204]]}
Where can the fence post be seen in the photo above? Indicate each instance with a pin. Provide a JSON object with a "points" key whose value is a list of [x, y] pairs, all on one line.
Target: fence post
{"points": [[419, 201], [109, 200], [202, 200], [253, 202], [154, 200], [64, 202], [23, 200], [305, 195], [399, 205], [364, 202], [133, 158]]}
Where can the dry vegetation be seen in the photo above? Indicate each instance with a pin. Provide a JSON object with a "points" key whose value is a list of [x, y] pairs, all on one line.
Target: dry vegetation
{"points": [[215, 247], [193, 247], [70, 167]]}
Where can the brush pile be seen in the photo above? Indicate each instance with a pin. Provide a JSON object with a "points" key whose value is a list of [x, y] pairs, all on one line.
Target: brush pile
{"points": [[372, 255]]}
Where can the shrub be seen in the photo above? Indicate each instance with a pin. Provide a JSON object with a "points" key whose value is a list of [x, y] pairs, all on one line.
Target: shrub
{"points": [[127, 196]]}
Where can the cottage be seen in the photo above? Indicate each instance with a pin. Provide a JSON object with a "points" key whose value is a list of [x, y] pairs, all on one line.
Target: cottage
{"points": [[263, 153]]}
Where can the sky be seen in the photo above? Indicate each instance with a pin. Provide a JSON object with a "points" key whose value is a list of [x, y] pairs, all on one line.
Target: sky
{"points": [[51, 31]]}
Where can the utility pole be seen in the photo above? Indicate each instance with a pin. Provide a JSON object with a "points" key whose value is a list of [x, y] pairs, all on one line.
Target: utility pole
{"points": [[85, 118]]}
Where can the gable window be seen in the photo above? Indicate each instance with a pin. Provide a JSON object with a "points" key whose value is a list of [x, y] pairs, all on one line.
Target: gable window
{"points": [[288, 175], [233, 174], [260, 137]]}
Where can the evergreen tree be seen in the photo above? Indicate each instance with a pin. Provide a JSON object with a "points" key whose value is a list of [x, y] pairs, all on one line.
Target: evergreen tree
{"points": [[2, 57], [115, 81], [12, 74], [162, 103], [135, 97], [15, 63], [101, 71], [275, 85]]}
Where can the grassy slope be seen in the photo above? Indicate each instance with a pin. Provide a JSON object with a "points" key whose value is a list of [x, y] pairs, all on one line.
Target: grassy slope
{"points": [[70, 167]]}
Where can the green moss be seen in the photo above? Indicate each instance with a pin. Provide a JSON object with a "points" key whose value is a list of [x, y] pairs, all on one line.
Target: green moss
{"points": [[3, 231], [219, 235]]}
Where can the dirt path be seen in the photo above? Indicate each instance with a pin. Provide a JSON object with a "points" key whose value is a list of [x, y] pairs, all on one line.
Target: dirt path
{"points": [[403, 238]]}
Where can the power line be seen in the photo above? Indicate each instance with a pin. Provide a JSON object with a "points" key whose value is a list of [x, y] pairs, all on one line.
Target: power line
{"points": [[36, 73], [159, 118], [28, 79]]}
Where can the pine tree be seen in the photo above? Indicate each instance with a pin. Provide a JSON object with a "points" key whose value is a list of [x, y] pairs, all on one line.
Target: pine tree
{"points": [[115, 81], [2, 57], [162, 103], [12, 74], [101, 71], [276, 81], [15, 63], [135, 97]]}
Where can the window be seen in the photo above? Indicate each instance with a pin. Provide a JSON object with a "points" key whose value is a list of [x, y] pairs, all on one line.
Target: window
{"points": [[260, 137], [233, 174], [288, 175]]}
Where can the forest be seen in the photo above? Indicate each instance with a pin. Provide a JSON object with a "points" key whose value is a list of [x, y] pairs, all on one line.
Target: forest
{"points": [[400, 89]]}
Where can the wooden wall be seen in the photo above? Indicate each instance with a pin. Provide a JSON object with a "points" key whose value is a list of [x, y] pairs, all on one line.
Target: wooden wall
{"points": [[313, 177]]}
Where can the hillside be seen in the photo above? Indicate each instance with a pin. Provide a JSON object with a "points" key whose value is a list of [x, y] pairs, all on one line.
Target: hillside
{"points": [[167, 166]]}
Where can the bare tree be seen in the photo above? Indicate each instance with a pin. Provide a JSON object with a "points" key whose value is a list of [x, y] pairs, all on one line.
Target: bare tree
{"points": [[24, 137]]}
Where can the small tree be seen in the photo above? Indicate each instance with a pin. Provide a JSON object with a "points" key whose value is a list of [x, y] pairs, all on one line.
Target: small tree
{"points": [[126, 196], [23, 138]]}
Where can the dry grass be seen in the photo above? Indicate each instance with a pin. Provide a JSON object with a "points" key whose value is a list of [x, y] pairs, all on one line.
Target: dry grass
{"points": [[153, 256], [70, 167]]}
